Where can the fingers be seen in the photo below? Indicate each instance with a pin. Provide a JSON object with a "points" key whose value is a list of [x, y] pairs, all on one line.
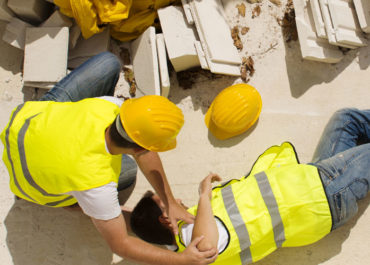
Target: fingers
{"points": [[189, 218], [196, 241], [212, 259], [174, 226]]}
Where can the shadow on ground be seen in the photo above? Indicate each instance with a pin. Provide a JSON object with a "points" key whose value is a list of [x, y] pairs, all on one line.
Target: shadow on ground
{"points": [[39, 235], [303, 74], [8, 53]]}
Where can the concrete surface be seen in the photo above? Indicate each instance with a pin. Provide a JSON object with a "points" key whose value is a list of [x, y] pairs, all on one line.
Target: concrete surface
{"points": [[298, 98]]}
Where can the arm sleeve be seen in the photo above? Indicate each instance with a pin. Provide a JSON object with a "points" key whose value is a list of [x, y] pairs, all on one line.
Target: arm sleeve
{"points": [[100, 203], [114, 100], [223, 239]]}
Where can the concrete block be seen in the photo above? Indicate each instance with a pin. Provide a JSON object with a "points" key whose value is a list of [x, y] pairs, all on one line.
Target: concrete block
{"points": [[15, 32], [201, 55], [341, 23], [145, 63], [363, 13], [86, 48], [179, 38], [57, 19], [208, 16], [74, 34], [217, 62], [162, 62], [5, 12], [45, 59], [318, 19], [32, 11], [187, 12], [312, 47]]}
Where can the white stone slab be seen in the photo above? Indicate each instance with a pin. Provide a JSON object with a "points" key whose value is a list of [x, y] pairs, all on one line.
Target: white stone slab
{"points": [[217, 34], [345, 22], [57, 19], [201, 55], [329, 27], [363, 13], [312, 47], [341, 23], [74, 34], [92, 46], [15, 33], [163, 69], [45, 57], [179, 38], [188, 15], [145, 63], [32, 11], [5, 12], [318, 19]]}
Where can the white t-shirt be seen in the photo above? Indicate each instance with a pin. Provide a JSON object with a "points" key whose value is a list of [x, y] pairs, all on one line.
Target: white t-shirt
{"points": [[101, 202], [187, 231]]}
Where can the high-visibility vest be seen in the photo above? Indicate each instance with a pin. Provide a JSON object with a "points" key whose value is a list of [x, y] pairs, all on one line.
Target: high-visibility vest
{"points": [[280, 203], [52, 148]]}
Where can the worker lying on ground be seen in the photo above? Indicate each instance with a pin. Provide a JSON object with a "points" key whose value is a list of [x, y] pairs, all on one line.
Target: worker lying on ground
{"points": [[72, 146], [280, 203]]}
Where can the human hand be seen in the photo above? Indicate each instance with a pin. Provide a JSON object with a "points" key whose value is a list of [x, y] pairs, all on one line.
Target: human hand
{"points": [[205, 187], [177, 212], [192, 256]]}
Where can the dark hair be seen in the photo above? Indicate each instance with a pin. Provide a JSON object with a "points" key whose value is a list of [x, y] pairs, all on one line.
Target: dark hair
{"points": [[145, 222], [118, 140]]}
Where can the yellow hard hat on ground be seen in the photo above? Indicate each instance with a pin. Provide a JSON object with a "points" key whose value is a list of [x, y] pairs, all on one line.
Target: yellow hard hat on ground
{"points": [[233, 111], [152, 121]]}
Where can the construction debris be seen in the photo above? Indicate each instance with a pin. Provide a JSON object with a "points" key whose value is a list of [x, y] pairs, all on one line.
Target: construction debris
{"points": [[247, 68], [244, 30], [235, 36], [256, 11], [288, 23], [241, 9], [130, 79], [276, 2]]}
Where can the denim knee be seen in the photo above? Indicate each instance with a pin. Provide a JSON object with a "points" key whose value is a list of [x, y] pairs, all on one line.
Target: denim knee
{"points": [[110, 61]]}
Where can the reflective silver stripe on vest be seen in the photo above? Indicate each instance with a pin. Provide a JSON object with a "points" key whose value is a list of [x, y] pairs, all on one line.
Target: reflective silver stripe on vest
{"points": [[7, 132], [26, 172], [272, 206], [238, 224]]}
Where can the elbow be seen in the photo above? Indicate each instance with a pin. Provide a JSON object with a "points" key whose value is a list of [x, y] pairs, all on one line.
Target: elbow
{"points": [[205, 245]]}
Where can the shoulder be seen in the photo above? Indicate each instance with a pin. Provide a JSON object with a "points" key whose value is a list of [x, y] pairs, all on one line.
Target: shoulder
{"points": [[114, 100]]}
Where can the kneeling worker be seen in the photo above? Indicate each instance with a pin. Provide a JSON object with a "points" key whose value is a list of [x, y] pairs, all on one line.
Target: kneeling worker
{"points": [[72, 146]]}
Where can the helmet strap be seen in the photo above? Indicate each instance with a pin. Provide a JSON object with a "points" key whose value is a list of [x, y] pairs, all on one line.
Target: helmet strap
{"points": [[122, 131]]}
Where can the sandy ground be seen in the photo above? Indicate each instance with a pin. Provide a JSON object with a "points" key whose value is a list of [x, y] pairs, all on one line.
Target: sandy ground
{"points": [[298, 98]]}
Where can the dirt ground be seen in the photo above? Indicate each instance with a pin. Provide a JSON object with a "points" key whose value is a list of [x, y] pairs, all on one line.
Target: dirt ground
{"points": [[298, 98]]}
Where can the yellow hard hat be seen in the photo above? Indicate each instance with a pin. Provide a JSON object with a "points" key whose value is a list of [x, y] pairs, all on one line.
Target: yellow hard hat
{"points": [[233, 111], [152, 121]]}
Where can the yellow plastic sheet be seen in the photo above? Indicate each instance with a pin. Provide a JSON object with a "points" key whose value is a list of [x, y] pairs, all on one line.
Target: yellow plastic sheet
{"points": [[128, 18]]}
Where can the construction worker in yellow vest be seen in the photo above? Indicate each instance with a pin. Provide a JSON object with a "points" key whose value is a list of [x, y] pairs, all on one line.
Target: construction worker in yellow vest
{"points": [[71, 147], [280, 203]]}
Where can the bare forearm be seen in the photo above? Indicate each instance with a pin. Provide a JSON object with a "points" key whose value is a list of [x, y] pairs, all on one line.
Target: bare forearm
{"points": [[137, 250], [205, 224], [151, 166]]}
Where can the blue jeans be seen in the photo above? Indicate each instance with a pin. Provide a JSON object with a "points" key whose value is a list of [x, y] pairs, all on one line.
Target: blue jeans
{"points": [[95, 78], [343, 159]]}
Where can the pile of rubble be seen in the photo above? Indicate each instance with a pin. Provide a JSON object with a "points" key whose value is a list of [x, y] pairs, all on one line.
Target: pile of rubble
{"points": [[51, 41], [195, 34], [326, 27]]}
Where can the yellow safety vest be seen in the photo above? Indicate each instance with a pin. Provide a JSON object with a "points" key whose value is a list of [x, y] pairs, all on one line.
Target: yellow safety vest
{"points": [[52, 148], [281, 203]]}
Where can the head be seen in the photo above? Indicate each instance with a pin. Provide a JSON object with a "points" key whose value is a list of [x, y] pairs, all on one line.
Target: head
{"points": [[152, 122], [120, 139], [149, 221]]}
